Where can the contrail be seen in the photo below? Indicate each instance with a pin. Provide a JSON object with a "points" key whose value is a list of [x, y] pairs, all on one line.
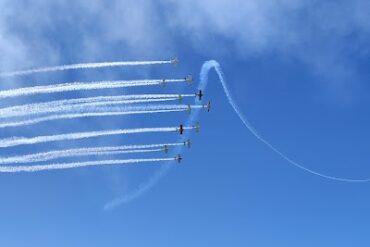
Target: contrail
{"points": [[26, 111], [76, 86], [103, 112], [60, 166], [52, 106], [45, 156], [83, 66], [82, 115], [207, 66], [16, 141], [71, 153]]}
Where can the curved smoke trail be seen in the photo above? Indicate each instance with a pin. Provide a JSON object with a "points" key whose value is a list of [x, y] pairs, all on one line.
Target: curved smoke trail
{"points": [[144, 187], [206, 67]]}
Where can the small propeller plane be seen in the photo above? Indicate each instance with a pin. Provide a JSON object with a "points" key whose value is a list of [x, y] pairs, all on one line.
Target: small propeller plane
{"points": [[178, 158], [199, 94], [174, 61], [208, 106], [165, 148], [196, 127], [180, 97], [187, 143], [188, 78], [163, 83], [189, 109], [181, 129]]}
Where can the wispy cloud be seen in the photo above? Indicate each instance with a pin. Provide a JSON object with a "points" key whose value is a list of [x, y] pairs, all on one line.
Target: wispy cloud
{"points": [[322, 35], [308, 30]]}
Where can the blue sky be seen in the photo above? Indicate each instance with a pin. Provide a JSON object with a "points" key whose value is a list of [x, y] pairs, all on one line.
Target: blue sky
{"points": [[297, 69]]}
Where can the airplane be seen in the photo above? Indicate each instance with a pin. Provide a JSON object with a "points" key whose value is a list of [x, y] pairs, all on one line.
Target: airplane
{"points": [[189, 109], [196, 127], [165, 148], [207, 106], [187, 143], [181, 129], [180, 97], [174, 61], [188, 78], [163, 83], [178, 158], [199, 94]]}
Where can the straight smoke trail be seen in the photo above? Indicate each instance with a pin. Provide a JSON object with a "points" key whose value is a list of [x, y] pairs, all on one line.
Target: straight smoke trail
{"points": [[102, 112], [83, 66], [57, 105], [27, 111], [82, 115], [61, 166], [69, 153], [16, 141], [76, 152], [77, 86]]}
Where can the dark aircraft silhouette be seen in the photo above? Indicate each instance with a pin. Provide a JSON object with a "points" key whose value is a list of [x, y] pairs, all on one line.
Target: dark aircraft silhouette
{"points": [[178, 158], [199, 94], [181, 129]]}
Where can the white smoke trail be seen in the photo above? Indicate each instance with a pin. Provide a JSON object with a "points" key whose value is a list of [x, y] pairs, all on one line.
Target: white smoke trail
{"points": [[57, 105], [207, 66], [82, 115], [45, 156], [82, 66], [60, 166], [102, 112], [71, 153], [76, 86], [16, 141], [9, 113]]}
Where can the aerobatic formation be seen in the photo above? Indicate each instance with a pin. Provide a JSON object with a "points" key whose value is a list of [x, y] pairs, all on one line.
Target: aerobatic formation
{"points": [[13, 116], [73, 109]]}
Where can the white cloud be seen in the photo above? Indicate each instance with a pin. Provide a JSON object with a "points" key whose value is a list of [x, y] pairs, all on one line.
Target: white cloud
{"points": [[48, 32], [326, 36], [265, 25], [308, 30]]}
